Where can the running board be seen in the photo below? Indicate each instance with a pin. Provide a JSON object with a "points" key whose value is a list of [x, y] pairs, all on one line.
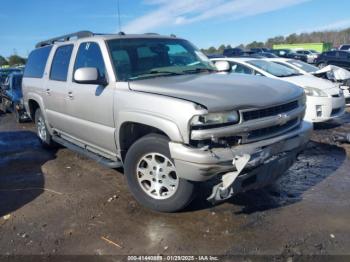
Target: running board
{"points": [[99, 159]]}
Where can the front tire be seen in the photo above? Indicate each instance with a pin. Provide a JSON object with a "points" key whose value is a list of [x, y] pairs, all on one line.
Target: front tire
{"points": [[152, 178], [41, 128]]}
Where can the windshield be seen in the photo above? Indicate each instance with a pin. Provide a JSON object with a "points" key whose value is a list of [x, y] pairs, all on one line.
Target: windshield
{"points": [[135, 59], [303, 66], [273, 68]]}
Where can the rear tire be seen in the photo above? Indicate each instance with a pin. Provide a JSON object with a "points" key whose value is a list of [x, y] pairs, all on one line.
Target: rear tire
{"points": [[41, 129], [18, 116], [151, 176]]}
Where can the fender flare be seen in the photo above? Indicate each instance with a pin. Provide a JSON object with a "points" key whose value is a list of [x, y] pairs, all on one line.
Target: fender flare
{"points": [[165, 125]]}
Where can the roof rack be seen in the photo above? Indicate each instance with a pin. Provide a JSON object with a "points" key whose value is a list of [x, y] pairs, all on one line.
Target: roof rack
{"points": [[63, 38]]}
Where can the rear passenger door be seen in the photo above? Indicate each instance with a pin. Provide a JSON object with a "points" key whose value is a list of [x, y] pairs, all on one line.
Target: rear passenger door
{"points": [[89, 119], [343, 59], [55, 91], [331, 58]]}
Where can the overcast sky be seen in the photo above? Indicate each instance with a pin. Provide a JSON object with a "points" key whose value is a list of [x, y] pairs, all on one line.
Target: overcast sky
{"points": [[204, 22]]}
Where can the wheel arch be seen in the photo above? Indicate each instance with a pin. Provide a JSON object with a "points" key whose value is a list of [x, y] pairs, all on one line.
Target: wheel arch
{"points": [[34, 101], [135, 127]]}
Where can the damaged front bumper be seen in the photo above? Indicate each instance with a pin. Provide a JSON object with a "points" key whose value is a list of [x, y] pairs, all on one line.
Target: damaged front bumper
{"points": [[243, 167]]}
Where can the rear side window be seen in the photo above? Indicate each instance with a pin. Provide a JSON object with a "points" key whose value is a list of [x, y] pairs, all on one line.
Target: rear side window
{"points": [[60, 63], [332, 53], [89, 55], [241, 69], [345, 47], [37, 59]]}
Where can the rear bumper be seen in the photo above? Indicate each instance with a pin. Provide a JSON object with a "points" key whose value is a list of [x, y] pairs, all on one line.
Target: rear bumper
{"points": [[328, 107], [200, 165]]}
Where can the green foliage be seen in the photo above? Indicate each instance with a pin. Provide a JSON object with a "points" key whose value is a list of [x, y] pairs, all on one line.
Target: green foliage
{"points": [[336, 38], [16, 60], [3, 61], [255, 45], [211, 50]]}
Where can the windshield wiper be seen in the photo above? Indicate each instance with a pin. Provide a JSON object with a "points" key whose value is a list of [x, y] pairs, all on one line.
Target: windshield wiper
{"points": [[199, 70], [296, 74], [164, 72], [156, 73]]}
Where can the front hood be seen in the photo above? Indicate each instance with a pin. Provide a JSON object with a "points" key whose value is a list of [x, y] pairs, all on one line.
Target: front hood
{"points": [[311, 81], [221, 91], [338, 73]]}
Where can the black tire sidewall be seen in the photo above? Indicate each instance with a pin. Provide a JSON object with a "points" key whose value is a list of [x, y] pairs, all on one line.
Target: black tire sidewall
{"points": [[17, 116], [157, 144]]}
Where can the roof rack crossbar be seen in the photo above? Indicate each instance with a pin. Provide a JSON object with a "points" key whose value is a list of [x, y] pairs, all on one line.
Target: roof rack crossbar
{"points": [[63, 38]]}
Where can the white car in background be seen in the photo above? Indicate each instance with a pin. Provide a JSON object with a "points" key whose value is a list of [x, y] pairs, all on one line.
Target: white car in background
{"points": [[311, 57], [333, 73], [325, 101]]}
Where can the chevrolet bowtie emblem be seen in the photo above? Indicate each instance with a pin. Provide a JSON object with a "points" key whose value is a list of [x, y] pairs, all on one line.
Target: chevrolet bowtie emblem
{"points": [[282, 119]]}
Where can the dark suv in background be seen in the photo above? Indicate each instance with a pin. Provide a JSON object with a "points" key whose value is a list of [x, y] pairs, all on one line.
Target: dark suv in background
{"points": [[260, 50], [344, 47], [287, 53], [229, 52], [337, 58]]}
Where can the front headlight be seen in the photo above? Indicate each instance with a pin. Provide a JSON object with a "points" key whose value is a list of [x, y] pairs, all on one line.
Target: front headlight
{"points": [[311, 91], [212, 120]]}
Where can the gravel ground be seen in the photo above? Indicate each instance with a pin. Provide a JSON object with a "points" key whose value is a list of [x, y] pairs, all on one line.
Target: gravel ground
{"points": [[57, 202]]}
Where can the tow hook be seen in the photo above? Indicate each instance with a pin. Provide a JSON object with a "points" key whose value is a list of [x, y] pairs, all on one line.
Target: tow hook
{"points": [[223, 190]]}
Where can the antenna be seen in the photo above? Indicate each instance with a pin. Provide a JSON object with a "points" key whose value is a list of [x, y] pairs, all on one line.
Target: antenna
{"points": [[119, 22]]}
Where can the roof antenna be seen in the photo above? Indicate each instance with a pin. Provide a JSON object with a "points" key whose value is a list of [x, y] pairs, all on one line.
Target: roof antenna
{"points": [[119, 20]]}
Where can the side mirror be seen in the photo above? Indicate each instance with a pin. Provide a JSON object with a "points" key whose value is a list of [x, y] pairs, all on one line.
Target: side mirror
{"points": [[223, 66], [88, 75]]}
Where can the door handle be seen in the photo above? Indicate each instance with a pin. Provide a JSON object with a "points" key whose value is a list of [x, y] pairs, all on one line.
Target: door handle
{"points": [[70, 95], [48, 91]]}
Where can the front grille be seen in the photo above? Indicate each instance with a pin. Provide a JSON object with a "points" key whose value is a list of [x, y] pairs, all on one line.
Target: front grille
{"points": [[271, 111], [336, 95], [220, 142], [335, 111], [271, 130]]}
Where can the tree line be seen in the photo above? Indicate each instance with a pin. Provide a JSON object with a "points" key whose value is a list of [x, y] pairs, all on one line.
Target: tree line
{"points": [[12, 60], [335, 37]]}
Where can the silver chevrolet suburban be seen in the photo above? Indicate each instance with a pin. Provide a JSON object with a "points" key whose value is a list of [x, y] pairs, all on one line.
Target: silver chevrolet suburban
{"points": [[158, 107]]}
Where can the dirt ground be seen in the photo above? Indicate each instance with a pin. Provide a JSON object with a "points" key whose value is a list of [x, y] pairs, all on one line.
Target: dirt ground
{"points": [[57, 202]]}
